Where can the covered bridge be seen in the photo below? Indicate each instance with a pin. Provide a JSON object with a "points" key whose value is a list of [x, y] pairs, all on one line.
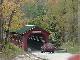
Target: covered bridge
{"points": [[30, 36]]}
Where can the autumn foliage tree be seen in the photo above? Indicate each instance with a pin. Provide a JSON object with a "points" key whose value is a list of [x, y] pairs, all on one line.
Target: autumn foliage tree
{"points": [[56, 16], [12, 16]]}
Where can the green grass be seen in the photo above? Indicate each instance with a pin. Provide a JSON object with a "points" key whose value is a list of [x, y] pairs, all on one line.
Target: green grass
{"points": [[10, 51], [71, 48]]}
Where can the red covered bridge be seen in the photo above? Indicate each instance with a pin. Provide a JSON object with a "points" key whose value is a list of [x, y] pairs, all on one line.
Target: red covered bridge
{"points": [[30, 36]]}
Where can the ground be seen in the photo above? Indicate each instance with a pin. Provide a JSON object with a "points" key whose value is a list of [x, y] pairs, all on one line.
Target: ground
{"points": [[52, 56], [37, 55]]}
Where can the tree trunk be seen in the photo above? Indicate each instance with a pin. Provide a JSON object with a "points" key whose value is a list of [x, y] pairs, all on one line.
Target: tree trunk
{"points": [[1, 21]]}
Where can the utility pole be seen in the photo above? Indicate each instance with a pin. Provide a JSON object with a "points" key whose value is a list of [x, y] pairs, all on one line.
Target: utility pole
{"points": [[1, 21]]}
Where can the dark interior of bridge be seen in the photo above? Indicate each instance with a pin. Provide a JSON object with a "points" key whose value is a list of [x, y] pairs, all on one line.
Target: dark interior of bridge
{"points": [[35, 41]]}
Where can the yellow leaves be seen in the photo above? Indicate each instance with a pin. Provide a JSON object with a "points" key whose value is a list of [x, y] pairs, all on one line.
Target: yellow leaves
{"points": [[8, 7], [15, 25], [19, 13], [15, 18], [53, 2], [30, 1]]}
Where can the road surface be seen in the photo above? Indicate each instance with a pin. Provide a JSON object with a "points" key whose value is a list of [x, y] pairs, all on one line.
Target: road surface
{"points": [[52, 56]]}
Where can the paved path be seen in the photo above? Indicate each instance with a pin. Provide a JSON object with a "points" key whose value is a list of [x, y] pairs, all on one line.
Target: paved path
{"points": [[52, 56], [27, 57]]}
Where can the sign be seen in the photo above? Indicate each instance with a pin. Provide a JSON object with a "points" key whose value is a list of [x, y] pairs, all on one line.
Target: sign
{"points": [[36, 31]]}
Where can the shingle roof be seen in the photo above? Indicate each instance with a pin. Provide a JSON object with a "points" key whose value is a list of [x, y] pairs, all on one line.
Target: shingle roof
{"points": [[25, 29]]}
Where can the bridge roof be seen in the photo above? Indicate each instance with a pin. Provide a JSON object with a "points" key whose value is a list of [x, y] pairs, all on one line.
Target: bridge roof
{"points": [[26, 28]]}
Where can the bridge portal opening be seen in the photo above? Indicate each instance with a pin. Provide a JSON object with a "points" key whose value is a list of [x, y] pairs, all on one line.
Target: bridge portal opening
{"points": [[35, 41]]}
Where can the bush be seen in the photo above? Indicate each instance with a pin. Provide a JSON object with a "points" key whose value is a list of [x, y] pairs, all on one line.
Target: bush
{"points": [[71, 48], [10, 51]]}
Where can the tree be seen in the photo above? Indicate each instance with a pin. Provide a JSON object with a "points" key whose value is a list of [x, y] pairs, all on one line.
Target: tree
{"points": [[1, 21], [56, 16], [11, 13]]}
